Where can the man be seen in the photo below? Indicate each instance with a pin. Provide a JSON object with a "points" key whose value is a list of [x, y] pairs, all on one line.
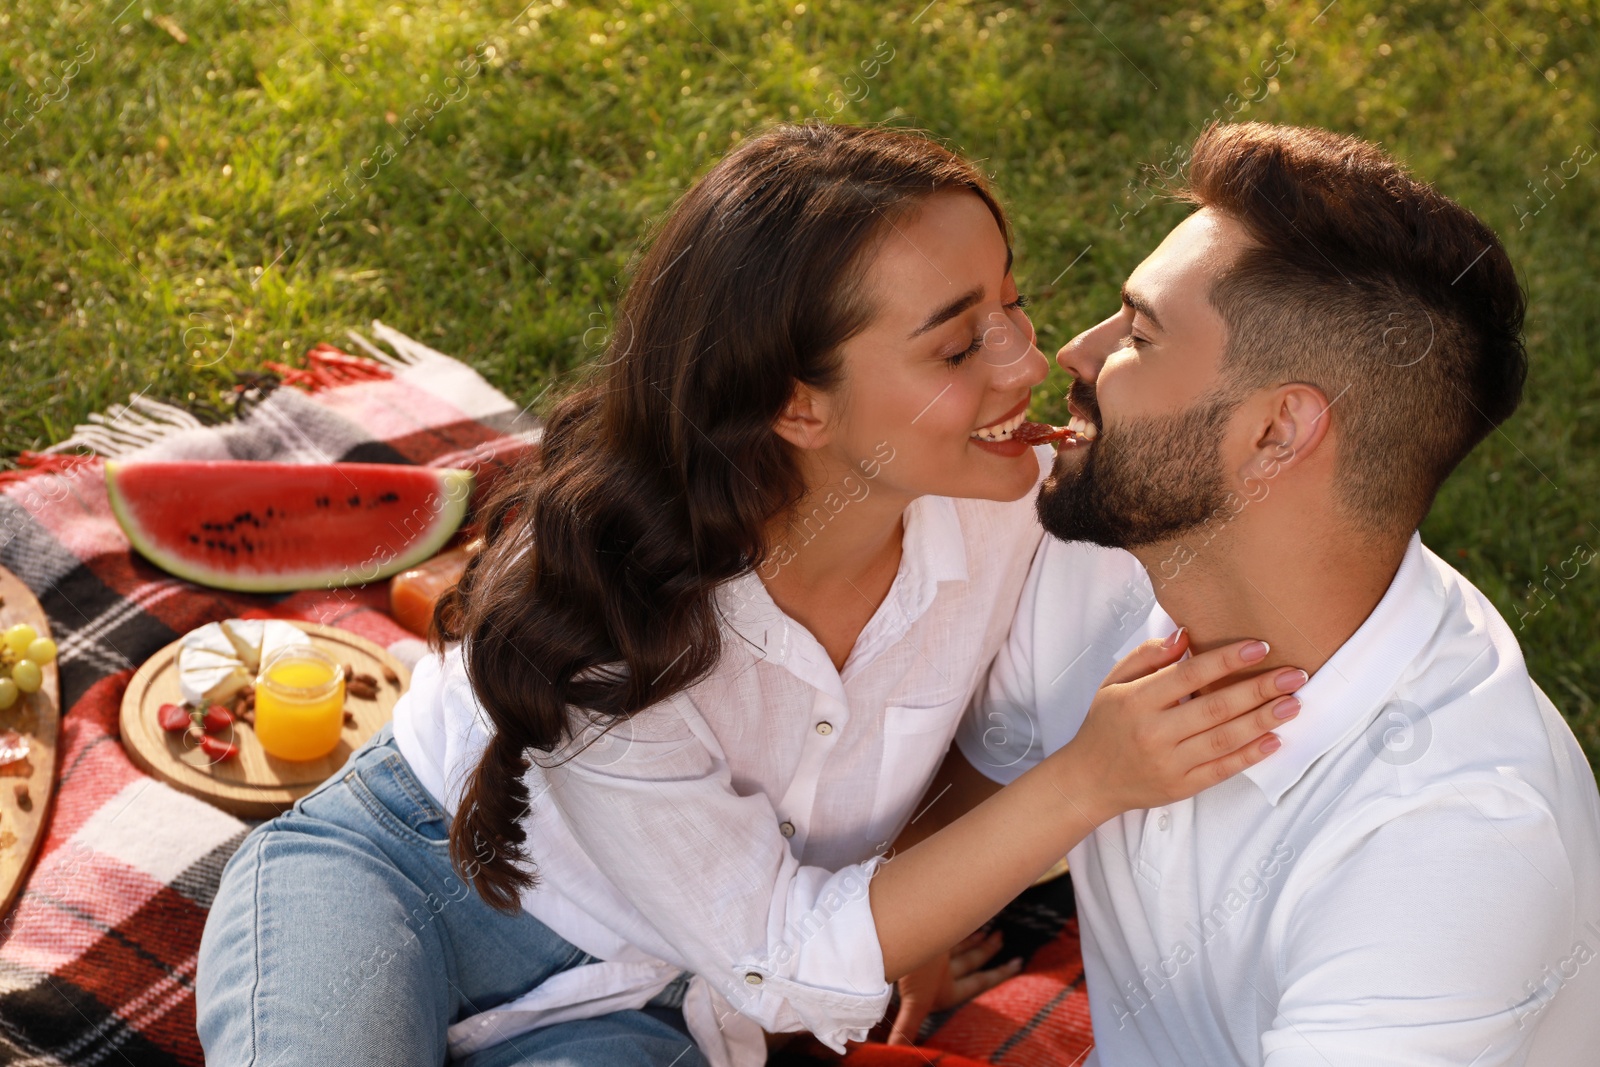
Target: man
{"points": [[1414, 877]]}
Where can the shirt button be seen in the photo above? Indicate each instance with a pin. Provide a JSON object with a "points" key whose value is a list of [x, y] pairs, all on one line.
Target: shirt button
{"points": [[824, 728], [786, 828], [1164, 821], [753, 978]]}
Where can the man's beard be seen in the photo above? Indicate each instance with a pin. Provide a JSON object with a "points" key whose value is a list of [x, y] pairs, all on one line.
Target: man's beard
{"points": [[1145, 482]]}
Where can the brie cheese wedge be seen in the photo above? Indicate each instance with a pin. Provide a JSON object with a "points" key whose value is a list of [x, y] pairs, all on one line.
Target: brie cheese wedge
{"points": [[218, 659]]}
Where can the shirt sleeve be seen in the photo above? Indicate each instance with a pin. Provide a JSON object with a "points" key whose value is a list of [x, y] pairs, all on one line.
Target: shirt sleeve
{"points": [[1000, 734], [792, 947], [1424, 933]]}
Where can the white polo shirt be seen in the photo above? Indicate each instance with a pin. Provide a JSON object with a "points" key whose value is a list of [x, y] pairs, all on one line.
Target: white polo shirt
{"points": [[1413, 878]]}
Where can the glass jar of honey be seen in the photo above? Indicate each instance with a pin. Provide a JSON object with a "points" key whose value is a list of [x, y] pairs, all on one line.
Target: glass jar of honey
{"points": [[299, 703]]}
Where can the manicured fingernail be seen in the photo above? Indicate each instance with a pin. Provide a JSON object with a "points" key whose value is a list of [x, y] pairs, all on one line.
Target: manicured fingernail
{"points": [[1287, 708], [1291, 680], [1016, 964], [1173, 638], [1271, 744], [1253, 651]]}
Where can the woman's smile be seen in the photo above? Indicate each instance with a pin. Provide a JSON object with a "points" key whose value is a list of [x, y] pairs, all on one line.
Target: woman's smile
{"points": [[999, 431]]}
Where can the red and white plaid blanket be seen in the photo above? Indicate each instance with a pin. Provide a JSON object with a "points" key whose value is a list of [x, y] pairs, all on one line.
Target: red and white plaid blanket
{"points": [[97, 958]]}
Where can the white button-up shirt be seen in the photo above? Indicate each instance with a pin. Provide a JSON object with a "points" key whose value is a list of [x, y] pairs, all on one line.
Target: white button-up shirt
{"points": [[1413, 878], [731, 831]]}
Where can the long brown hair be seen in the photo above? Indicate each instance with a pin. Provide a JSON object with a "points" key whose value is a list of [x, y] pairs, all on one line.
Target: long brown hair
{"points": [[656, 479]]}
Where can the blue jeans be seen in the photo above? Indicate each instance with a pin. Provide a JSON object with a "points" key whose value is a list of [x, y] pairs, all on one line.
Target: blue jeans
{"points": [[341, 937]]}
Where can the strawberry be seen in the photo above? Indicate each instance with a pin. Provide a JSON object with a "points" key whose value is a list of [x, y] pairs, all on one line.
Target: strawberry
{"points": [[217, 750], [215, 718], [173, 717]]}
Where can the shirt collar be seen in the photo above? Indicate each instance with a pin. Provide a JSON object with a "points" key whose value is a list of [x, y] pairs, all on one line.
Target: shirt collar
{"points": [[933, 550], [1356, 678]]}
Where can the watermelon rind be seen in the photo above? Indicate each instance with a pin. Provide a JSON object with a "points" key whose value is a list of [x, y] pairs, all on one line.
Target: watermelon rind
{"points": [[455, 489]]}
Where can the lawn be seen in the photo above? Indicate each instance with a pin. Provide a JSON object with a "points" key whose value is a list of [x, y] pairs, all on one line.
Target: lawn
{"points": [[190, 188]]}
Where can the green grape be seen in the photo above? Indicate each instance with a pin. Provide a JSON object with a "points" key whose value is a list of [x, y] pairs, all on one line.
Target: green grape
{"points": [[27, 675], [41, 650], [8, 693], [19, 637]]}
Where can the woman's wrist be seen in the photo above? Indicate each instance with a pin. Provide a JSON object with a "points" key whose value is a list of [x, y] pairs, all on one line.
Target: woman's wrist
{"points": [[1081, 785]]}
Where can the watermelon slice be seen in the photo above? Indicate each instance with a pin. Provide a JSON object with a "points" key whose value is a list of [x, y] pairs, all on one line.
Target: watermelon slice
{"points": [[273, 527]]}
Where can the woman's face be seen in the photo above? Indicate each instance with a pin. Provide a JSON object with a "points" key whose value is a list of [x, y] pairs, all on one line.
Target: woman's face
{"points": [[949, 352]]}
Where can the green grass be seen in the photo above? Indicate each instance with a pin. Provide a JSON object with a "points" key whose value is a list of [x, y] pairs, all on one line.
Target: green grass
{"points": [[141, 209]]}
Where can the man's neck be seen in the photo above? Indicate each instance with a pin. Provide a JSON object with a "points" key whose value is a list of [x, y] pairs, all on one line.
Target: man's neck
{"points": [[1303, 593]]}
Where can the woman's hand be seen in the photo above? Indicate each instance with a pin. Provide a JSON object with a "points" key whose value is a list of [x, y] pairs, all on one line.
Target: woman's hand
{"points": [[950, 978], [1143, 744], [1150, 737]]}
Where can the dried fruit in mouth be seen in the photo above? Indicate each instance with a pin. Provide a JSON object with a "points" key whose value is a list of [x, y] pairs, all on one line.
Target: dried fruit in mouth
{"points": [[1038, 433]]}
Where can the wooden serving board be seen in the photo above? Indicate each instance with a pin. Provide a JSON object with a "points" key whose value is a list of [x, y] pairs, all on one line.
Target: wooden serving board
{"points": [[36, 716], [253, 785]]}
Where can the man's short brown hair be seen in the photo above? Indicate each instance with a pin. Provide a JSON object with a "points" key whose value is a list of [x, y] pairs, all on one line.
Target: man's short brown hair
{"points": [[1390, 297]]}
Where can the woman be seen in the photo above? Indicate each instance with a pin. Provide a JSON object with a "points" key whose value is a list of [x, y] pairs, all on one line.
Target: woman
{"points": [[714, 650]]}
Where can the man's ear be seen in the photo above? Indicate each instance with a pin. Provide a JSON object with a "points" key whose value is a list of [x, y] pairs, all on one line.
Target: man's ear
{"points": [[1296, 424], [803, 422]]}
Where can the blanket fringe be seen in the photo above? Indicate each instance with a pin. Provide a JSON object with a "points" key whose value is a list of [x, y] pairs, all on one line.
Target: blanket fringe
{"points": [[409, 352], [31, 463], [125, 428], [327, 367], [122, 428]]}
